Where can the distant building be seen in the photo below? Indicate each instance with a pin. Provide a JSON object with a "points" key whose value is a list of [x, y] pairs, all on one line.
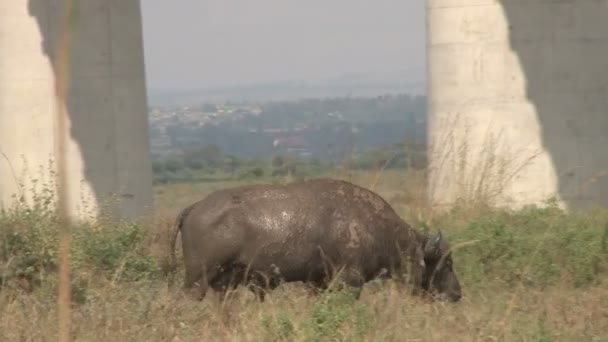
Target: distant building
{"points": [[295, 144]]}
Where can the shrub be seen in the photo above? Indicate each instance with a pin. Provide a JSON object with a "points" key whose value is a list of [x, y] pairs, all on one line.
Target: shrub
{"points": [[29, 246], [251, 173], [332, 312], [535, 246], [118, 249]]}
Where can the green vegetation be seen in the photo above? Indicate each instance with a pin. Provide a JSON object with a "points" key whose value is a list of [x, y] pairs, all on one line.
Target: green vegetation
{"points": [[209, 164], [328, 129], [534, 274]]}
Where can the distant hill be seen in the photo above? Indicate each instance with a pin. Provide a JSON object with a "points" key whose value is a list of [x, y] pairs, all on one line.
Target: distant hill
{"points": [[362, 84]]}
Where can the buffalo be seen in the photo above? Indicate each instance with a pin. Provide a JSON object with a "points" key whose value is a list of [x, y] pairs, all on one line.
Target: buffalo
{"points": [[311, 231]]}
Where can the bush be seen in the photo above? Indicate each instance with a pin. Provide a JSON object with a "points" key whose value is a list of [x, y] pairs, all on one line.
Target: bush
{"points": [[333, 312], [251, 173], [535, 246], [119, 249], [29, 248]]}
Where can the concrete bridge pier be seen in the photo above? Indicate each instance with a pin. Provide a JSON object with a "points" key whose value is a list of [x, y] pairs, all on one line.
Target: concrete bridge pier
{"points": [[518, 102], [108, 152]]}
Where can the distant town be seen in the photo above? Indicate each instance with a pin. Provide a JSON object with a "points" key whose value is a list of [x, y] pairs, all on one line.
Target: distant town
{"points": [[311, 127], [305, 137], [162, 119]]}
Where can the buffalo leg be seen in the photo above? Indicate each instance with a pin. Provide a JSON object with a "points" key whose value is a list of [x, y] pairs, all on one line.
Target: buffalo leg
{"points": [[259, 291], [315, 287], [227, 280], [199, 284], [259, 283], [352, 280], [221, 285]]}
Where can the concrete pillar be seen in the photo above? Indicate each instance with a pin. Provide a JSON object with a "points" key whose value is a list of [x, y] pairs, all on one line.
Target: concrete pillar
{"points": [[108, 151], [518, 102]]}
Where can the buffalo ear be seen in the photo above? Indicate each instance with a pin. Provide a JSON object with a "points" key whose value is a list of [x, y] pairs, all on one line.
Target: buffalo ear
{"points": [[433, 245]]}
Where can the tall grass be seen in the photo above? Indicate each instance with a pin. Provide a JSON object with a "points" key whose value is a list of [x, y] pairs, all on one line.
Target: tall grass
{"points": [[534, 274], [475, 165]]}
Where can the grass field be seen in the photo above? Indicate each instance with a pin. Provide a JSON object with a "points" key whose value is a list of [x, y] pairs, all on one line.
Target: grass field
{"points": [[532, 275]]}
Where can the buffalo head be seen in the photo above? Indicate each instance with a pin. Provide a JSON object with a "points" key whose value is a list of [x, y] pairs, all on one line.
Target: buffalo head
{"points": [[439, 275]]}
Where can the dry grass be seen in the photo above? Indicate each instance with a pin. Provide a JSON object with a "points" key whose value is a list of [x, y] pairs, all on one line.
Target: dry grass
{"points": [[473, 163], [152, 312], [494, 307]]}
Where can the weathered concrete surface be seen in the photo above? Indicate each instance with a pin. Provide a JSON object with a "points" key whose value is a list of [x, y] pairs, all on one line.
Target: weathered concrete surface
{"points": [[518, 101], [108, 143]]}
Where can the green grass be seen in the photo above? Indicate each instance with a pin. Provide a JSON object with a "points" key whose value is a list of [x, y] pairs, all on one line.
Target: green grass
{"points": [[530, 275]]}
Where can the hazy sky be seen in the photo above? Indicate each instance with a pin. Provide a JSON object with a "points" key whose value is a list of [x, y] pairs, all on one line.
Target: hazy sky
{"points": [[201, 43]]}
